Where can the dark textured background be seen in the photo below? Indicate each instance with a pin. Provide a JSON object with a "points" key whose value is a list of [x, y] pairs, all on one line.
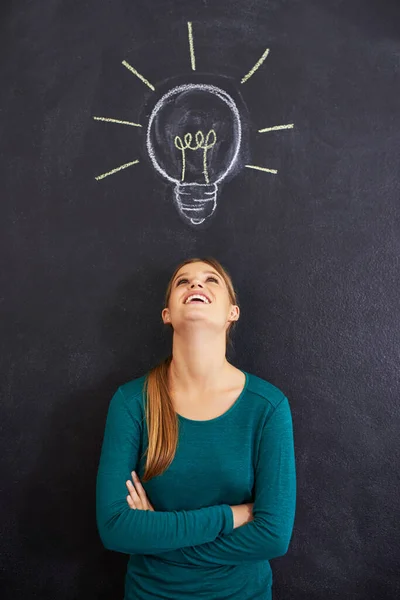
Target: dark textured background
{"points": [[313, 251]]}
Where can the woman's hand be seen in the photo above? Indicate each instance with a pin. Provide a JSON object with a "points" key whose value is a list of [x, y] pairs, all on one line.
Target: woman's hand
{"points": [[137, 498], [242, 514]]}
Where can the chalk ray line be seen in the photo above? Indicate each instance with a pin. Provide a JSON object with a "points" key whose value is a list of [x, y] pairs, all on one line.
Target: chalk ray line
{"points": [[133, 70], [261, 169], [289, 126], [129, 164], [256, 66], [191, 46], [117, 121]]}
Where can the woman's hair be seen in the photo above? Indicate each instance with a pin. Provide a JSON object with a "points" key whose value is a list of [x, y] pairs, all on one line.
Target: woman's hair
{"points": [[161, 418]]}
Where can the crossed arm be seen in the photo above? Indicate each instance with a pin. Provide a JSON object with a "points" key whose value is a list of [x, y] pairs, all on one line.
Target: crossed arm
{"points": [[203, 536]]}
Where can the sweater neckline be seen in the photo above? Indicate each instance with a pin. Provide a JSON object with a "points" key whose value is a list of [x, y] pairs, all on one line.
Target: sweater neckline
{"points": [[226, 413]]}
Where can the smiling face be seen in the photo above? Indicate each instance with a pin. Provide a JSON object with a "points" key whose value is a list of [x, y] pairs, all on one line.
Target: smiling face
{"points": [[199, 294]]}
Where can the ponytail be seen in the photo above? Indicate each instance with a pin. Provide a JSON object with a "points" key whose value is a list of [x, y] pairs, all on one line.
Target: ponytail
{"points": [[162, 421]]}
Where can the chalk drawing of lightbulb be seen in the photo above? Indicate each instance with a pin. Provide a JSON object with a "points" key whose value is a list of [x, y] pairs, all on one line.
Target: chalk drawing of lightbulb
{"points": [[193, 140]]}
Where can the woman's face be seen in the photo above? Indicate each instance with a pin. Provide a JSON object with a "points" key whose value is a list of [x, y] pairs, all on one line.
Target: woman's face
{"points": [[199, 278]]}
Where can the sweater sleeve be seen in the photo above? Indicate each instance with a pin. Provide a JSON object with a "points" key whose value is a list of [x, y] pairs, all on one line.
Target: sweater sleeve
{"points": [[269, 534], [139, 531]]}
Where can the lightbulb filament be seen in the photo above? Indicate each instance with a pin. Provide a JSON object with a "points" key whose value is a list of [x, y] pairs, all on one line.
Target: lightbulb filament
{"points": [[200, 143]]}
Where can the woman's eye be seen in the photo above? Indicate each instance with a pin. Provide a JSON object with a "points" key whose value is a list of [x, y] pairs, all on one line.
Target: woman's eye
{"points": [[185, 279]]}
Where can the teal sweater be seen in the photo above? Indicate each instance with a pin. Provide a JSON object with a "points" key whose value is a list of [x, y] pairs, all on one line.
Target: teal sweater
{"points": [[187, 548]]}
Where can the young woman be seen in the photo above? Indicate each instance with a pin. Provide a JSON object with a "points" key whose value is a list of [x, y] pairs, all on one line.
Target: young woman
{"points": [[197, 480]]}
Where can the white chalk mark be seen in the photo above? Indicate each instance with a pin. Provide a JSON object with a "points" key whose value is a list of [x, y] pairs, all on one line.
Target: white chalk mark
{"points": [[191, 46], [107, 120], [133, 70], [134, 162], [261, 169], [256, 66], [203, 200], [290, 126]]}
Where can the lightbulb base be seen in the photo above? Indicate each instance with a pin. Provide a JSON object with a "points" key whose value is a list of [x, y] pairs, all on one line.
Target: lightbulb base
{"points": [[196, 201]]}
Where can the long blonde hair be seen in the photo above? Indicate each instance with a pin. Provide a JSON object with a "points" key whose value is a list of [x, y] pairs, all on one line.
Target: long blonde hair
{"points": [[161, 418]]}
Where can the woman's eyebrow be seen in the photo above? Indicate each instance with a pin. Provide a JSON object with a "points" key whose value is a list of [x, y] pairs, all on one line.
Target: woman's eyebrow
{"points": [[208, 272]]}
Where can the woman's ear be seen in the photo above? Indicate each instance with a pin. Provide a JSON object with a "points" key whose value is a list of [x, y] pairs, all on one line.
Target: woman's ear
{"points": [[235, 312]]}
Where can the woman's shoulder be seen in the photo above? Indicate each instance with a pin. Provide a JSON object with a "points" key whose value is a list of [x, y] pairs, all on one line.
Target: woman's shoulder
{"points": [[133, 387], [131, 394], [265, 390]]}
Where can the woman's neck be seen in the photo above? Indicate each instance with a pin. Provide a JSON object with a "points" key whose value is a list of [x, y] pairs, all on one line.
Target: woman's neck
{"points": [[198, 365]]}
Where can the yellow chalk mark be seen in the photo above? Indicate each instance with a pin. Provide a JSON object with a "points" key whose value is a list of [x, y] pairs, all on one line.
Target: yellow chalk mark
{"points": [[191, 46], [261, 169], [202, 143], [256, 66], [117, 121], [206, 147], [129, 164], [290, 126], [179, 144], [133, 70]]}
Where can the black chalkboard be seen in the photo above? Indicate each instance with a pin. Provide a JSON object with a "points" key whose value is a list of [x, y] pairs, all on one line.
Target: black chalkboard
{"points": [[312, 244]]}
